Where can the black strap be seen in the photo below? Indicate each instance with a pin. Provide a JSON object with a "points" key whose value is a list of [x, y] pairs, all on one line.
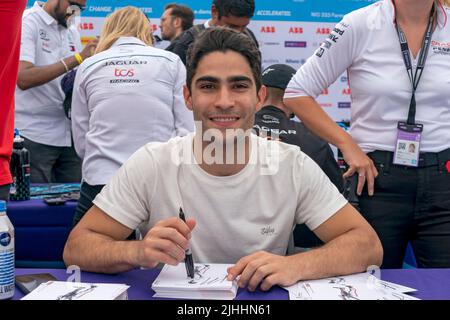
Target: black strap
{"points": [[415, 77]]}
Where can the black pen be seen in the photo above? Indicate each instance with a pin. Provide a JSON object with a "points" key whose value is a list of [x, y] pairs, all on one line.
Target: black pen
{"points": [[188, 260]]}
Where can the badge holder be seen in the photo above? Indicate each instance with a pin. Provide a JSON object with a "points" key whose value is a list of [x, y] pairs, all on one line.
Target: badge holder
{"points": [[408, 144]]}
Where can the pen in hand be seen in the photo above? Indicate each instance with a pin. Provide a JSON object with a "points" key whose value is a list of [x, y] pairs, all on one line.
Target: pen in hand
{"points": [[188, 260]]}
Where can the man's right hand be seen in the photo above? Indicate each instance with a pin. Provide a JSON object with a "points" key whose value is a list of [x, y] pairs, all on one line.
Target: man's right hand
{"points": [[166, 242], [361, 164], [89, 49]]}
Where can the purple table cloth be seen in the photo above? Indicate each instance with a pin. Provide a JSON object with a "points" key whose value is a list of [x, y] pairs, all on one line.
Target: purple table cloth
{"points": [[432, 284]]}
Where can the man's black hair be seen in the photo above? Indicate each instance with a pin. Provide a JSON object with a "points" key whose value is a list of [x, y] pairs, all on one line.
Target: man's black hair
{"points": [[237, 8], [223, 39]]}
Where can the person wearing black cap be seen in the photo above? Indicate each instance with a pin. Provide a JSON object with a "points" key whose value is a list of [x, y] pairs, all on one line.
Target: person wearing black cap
{"points": [[273, 121]]}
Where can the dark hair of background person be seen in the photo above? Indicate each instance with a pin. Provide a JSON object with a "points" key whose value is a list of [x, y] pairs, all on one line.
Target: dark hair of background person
{"points": [[237, 8], [223, 39], [183, 12]]}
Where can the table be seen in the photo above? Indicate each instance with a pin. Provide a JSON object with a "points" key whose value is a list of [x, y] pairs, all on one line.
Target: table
{"points": [[41, 231], [432, 284]]}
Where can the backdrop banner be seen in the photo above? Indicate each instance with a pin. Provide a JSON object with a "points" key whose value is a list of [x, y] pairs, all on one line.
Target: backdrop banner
{"points": [[288, 31]]}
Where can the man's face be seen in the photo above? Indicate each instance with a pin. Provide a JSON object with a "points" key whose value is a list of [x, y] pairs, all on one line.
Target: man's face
{"points": [[63, 12], [233, 22], [223, 92], [167, 25]]}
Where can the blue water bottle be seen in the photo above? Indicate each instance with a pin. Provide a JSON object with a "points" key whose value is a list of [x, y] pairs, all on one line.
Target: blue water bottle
{"points": [[20, 170]]}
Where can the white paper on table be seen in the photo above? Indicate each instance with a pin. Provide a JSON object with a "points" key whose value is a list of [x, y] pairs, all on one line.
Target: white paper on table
{"points": [[362, 286], [210, 282], [62, 290]]}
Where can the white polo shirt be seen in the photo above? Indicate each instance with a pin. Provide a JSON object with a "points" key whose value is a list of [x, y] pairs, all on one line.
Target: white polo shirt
{"points": [[39, 110], [123, 98], [365, 43]]}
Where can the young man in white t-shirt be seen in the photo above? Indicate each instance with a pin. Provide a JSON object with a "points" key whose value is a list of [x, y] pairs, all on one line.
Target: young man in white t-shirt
{"points": [[242, 194]]}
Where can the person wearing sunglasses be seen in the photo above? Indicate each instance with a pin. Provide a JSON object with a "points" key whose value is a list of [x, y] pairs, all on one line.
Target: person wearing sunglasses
{"points": [[50, 47]]}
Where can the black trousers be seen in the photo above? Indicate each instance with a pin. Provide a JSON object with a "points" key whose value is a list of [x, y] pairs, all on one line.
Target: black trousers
{"points": [[4, 192], [411, 205], [87, 195], [53, 164]]}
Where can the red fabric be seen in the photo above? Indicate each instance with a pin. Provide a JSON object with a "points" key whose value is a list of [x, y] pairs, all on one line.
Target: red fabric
{"points": [[10, 31]]}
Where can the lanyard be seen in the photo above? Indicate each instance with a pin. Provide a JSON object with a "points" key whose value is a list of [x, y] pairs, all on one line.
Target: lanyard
{"points": [[415, 77]]}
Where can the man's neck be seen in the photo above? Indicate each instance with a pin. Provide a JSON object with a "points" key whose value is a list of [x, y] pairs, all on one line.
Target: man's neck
{"points": [[279, 104], [412, 11], [222, 160], [49, 10]]}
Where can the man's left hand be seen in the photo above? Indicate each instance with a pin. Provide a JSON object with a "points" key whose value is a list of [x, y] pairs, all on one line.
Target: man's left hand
{"points": [[264, 269]]}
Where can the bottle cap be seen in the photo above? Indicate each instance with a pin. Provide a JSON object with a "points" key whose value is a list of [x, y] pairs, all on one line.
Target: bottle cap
{"points": [[2, 205]]}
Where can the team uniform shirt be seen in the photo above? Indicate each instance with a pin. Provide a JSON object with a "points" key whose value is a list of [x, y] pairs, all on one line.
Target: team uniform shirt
{"points": [[255, 209], [366, 44], [123, 98], [273, 123], [39, 111]]}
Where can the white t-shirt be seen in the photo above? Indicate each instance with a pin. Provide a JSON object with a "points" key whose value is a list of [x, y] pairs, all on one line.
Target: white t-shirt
{"points": [[366, 44], [255, 209], [39, 111], [123, 98]]}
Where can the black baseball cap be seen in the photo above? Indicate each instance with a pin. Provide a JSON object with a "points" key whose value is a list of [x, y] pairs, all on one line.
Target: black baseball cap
{"points": [[277, 76]]}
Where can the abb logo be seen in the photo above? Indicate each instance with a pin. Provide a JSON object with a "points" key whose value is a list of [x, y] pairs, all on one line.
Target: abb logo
{"points": [[87, 26], [124, 72], [325, 92], [323, 30], [296, 30], [346, 91], [268, 29]]}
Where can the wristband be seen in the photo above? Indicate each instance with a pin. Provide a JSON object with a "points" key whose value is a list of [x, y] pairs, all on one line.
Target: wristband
{"points": [[65, 65], [79, 58]]}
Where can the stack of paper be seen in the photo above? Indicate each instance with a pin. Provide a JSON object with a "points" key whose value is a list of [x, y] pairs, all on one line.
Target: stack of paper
{"points": [[210, 282], [60, 290], [362, 286]]}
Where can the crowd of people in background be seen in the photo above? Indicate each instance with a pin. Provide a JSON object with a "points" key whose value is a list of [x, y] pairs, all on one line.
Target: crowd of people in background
{"points": [[132, 104]]}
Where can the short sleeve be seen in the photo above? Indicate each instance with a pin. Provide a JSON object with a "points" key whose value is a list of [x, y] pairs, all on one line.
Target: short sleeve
{"points": [[329, 61], [318, 198], [127, 196], [28, 42]]}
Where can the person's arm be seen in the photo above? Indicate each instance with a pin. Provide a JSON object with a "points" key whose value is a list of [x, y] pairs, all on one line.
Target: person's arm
{"points": [[97, 244], [183, 117], [318, 121], [351, 246], [80, 114], [351, 243], [333, 57], [30, 76]]}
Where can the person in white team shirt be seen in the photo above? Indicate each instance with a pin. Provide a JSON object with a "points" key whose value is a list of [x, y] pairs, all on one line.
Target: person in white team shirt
{"points": [[125, 96], [50, 47], [407, 195], [243, 205]]}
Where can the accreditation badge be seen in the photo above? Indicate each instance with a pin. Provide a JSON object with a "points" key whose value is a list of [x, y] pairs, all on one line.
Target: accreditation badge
{"points": [[408, 144]]}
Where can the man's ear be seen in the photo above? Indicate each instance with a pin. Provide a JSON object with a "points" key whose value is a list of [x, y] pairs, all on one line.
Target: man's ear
{"points": [[214, 13], [187, 97], [261, 97], [177, 22]]}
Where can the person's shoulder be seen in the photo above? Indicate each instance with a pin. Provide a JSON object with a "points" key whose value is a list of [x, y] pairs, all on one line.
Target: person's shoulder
{"points": [[272, 148], [163, 152], [31, 17], [161, 53], [361, 16]]}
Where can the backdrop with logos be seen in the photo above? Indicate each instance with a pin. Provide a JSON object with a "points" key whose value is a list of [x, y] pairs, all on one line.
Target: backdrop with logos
{"points": [[288, 31]]}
